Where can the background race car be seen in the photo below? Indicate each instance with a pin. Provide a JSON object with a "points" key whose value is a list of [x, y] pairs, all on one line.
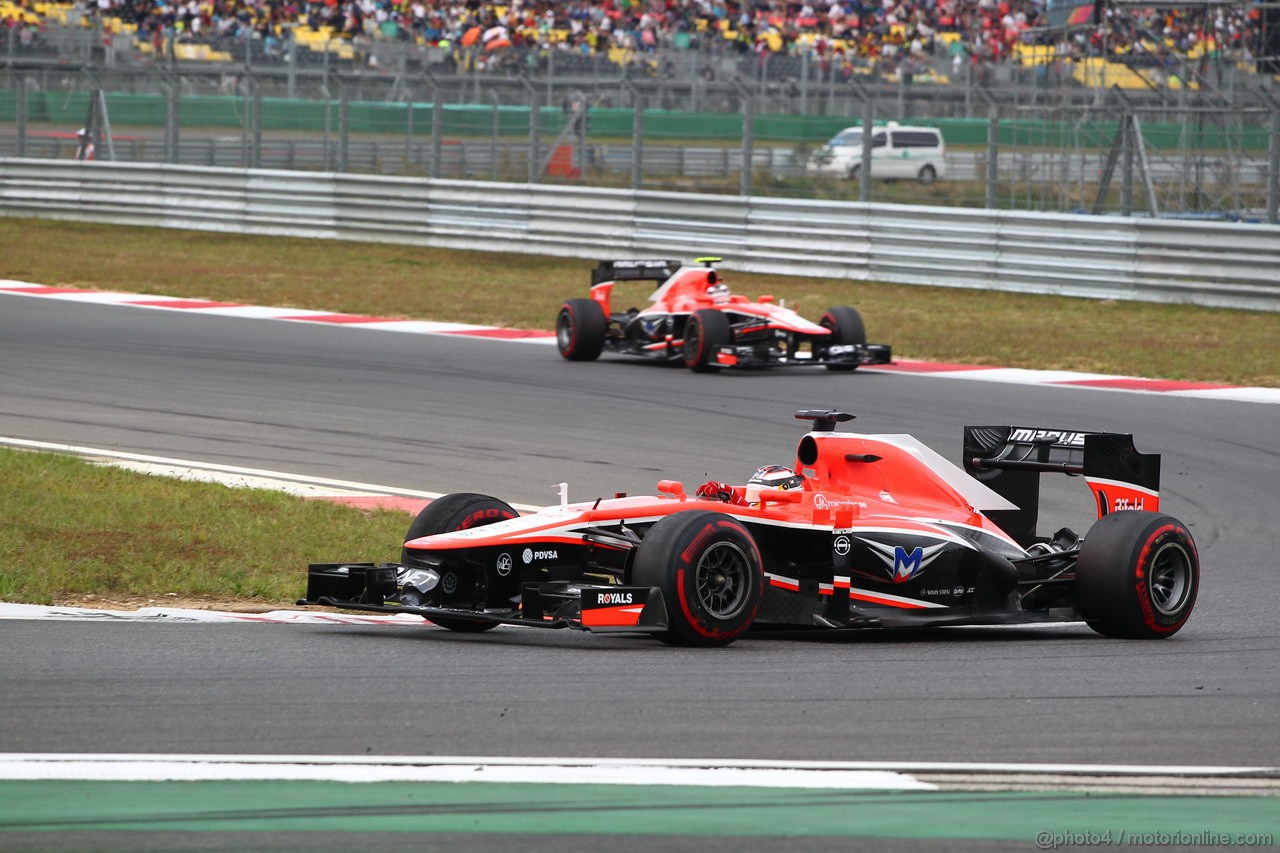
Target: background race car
{"points": [[865, 531], [694, 318]]}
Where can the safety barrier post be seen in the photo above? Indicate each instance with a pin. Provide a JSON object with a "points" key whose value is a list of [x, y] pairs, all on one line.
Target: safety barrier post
{"points": [[171, 85], [637, 133], [1273, 156], [748, 131], [992, 180], [535, 128], [495, 131], [344, 126], [20, 110]]}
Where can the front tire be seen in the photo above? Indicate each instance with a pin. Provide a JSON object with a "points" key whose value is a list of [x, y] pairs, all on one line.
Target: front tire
{"points": [[706, 331], [709, 570], [580, 330], [846, 328], [1137, 576], [460, 511]]}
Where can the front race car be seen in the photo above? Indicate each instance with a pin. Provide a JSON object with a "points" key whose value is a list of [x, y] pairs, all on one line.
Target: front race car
{"points": [[866, 530]]}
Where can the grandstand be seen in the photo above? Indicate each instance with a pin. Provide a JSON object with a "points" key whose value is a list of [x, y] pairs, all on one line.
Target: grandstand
{"points": [[1124, 43]]}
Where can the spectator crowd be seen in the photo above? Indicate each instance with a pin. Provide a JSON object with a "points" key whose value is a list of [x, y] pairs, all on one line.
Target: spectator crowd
{"points": [[843, 33]]}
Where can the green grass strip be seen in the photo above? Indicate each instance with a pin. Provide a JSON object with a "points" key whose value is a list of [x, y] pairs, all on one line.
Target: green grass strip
{"points": [[61, 806], [73, 528]]}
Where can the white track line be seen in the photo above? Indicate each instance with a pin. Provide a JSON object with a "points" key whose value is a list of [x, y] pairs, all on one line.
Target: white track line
{"points": [[865, 775], [148, 768], [232, 475], [186, 616]]}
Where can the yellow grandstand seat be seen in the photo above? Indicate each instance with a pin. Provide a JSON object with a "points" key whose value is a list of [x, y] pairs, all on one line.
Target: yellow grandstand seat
{"points": [[200, 52], [1031, 55], [1095, 72]]}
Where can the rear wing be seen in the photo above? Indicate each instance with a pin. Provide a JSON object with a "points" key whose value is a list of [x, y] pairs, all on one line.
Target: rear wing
{"points": [[641, 270], [1010, 460]]}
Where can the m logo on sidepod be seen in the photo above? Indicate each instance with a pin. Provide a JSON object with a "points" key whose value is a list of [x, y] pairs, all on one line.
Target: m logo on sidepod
{"points": [[904, 564]]}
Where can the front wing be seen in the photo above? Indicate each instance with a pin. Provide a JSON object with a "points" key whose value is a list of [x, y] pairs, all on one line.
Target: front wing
{"points": [[851, 355], [599, 608]]}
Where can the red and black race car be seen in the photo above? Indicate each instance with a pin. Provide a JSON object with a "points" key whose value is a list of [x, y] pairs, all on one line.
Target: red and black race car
{"points": [[865, 531], [693, 317]]}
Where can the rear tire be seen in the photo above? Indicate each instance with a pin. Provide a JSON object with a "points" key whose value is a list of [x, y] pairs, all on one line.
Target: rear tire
{"points": [[580, 330], [706, 331], [846, 328], [1137, 576], [709, 570], [927, 175], [460, 511]]}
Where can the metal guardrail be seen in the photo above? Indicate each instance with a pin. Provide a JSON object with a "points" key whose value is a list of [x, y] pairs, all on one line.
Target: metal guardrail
{"points": [[1204, 263]]}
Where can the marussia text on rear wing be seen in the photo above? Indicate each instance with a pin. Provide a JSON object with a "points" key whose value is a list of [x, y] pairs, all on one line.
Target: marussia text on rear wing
{"points": [[634, 270], [1010, 459]]}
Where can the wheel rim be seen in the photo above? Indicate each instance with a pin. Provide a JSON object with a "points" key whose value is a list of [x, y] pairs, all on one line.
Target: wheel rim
{"points": [[1170, 582], [564, 331], [692, 343], [723, 580]]}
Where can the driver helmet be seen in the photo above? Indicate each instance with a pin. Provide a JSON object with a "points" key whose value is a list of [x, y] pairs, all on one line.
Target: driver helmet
{"points": [[718, 293], [772, 477]]}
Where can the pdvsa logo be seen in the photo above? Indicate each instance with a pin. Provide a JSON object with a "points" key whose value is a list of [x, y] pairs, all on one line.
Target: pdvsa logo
{"points": [[531, 555]]}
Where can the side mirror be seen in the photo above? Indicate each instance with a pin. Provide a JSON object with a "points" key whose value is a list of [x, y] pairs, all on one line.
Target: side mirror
{"points": [[675, 488]]}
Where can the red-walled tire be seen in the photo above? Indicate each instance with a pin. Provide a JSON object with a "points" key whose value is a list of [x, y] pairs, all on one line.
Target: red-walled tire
{"points": [[1138, 575], [580, 330], [460, 511], [709, 570], [706, 331]]}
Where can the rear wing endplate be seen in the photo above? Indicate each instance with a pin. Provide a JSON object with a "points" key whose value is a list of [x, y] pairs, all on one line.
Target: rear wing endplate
{"points": [[1010, 459]]}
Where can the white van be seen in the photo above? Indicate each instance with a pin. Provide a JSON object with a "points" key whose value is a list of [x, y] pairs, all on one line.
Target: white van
{"points": [[897, 151]]}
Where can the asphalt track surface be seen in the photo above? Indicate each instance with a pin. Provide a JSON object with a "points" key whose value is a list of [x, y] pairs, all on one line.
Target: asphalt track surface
{"points": [[511, 419]]}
